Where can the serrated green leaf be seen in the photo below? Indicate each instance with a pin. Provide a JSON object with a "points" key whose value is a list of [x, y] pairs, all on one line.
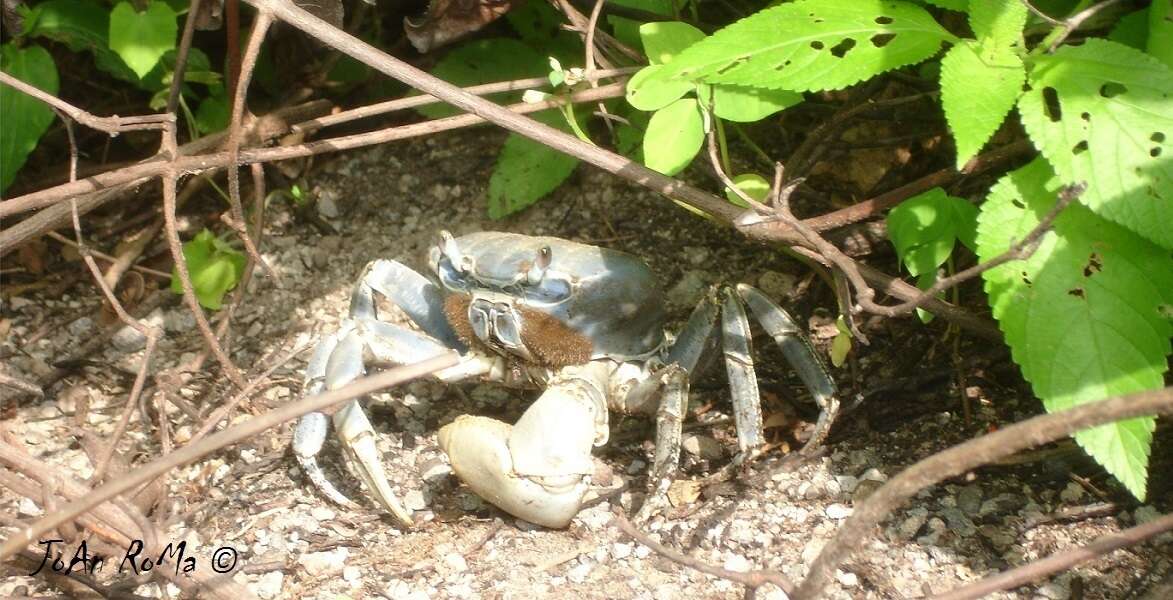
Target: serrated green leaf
{"points": [[1081, 315], [663, 40], [141, 39], [214, 267], [813, 45], [486, 61], [925, 227], [977, 92], [755, 186], [527, 170], [25, 119], [674, 136], [997, 23], [1160, 38], [1102, 113], [648, 90], [746, 105]]}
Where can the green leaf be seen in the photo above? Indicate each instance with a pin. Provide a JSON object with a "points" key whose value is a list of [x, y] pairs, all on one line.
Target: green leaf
{"points": [[674, 136], [665, 39], [486, 61], [527, 170], [25, 119], [997, 23], [746, 104], [813, 45], [1132, 29], [841, 345], [1082, 314], [957, 5], [755, 186], [214, 266], [540, 26], [1160, 40], [977, 92], [80, 25], [648, 90], [141, 39], [213, 113], [925, 227], [1102, 113]]}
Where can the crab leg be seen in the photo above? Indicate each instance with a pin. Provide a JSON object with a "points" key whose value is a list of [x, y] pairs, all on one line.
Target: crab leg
{"points": [[743, 382], [536, 469], [801, 356]]}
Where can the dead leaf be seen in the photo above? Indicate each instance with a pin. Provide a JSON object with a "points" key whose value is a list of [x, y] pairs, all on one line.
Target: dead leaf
{"points": [[683, 491]]}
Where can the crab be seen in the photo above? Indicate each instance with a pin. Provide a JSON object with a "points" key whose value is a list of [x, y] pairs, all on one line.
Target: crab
{"points": [[584, 323]]}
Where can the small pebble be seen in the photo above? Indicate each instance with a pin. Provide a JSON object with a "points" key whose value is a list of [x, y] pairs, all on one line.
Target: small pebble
{"points": [[702, 446], [269, 585], [320, 563], [414, 500], [322, 513], [838, 511], [738, 564], [621, 551], [455, 562], [351, 574], [846, 579]]}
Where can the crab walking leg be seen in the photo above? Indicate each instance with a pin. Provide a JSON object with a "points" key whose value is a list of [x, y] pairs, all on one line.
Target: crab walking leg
{"points": [[311, 430], [536, 469], [801, 356], [743, 382], [672, 387]]}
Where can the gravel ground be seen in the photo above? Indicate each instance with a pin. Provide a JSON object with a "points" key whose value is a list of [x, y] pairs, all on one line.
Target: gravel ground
{"points": [[390, 202]]}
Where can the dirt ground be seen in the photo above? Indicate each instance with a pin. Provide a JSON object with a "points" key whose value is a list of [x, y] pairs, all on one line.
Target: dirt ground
{"points": [[390, 202]]}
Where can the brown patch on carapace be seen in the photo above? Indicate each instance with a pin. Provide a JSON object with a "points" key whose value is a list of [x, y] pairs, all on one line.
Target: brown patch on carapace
{"points": [[456, 311], [552, 343]]}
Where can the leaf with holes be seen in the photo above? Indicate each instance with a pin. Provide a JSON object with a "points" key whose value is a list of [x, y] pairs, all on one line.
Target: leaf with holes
{"points": [[25, 118], [214, 266], [746, 104], [664, 40], [1102, 113], [527, 170], [813, 45], [141, 39], [978, 89], [674, 136], [1082, 314], [925, 228]]}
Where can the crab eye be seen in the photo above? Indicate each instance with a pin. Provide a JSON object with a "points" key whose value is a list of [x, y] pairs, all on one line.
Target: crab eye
{"points": [[549, 289], [451, 277]]}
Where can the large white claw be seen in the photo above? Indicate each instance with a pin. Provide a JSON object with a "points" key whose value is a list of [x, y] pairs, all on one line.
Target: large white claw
{"points": [[537, 469], [479, 450]]}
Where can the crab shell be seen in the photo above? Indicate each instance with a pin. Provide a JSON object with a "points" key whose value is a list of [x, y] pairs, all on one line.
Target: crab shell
{"points": [[548, 300]]}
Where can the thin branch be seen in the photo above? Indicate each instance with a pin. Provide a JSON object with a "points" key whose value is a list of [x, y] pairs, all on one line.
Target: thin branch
{"points": [[751, 579], [1032, 432], [107, 124], [222, 439], [1074, 22], [110, 259], [193, 12], [260, 26], [398, 104], [1061, 561], [170, 174], [1040, 14]]}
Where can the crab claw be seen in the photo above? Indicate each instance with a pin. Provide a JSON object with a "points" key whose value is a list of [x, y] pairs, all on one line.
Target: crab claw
{"points": [[358, 439], [538, 469]]}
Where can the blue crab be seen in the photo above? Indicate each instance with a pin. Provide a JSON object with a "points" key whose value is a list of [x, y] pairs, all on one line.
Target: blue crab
{"points": [[584, 323]]}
